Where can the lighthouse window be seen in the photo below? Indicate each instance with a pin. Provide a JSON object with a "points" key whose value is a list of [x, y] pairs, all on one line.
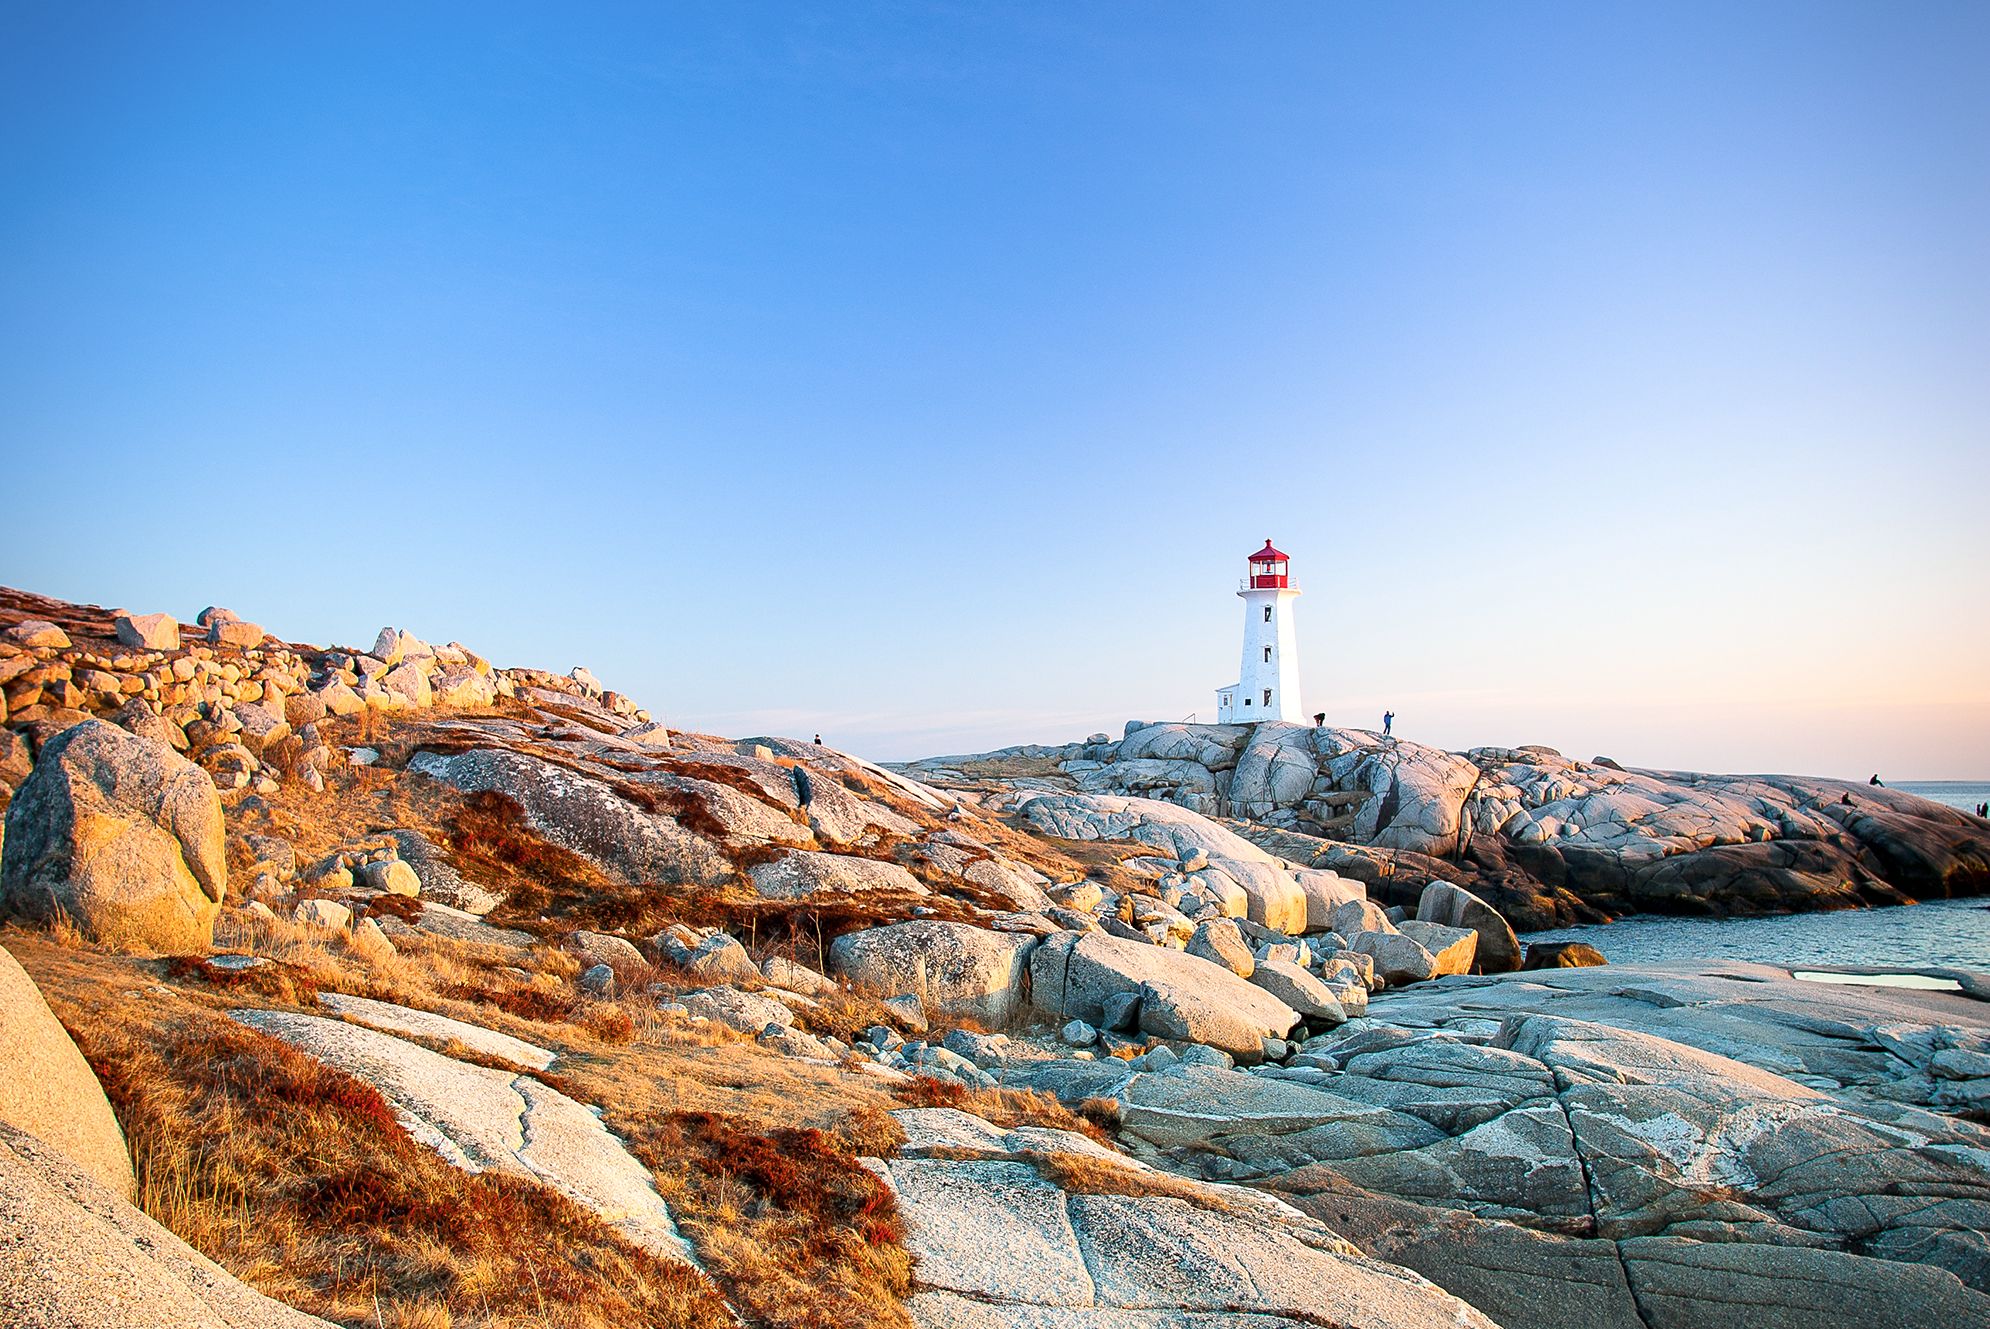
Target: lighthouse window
{"points": [[1267, 696], [1247, 701], [1267, 613], [1267, 655]]}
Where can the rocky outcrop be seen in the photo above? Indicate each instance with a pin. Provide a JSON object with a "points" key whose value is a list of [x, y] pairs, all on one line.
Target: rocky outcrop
{"points": [[1531, 1280], [1216, 864], [232, 696], [587, 816], [49, 1091], [999, 1242], [121, 836], [78, 1253], [1542, 838]]}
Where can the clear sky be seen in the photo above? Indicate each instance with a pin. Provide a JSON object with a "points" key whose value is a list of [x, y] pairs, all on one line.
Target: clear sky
{"points": [[1617, 375]]}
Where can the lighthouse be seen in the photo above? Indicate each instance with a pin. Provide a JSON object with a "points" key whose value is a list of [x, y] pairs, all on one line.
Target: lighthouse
{"points": [[1267, 686]]}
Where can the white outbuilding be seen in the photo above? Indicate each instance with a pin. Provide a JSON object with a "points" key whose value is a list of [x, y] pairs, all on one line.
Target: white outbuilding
{"points": [[1267, 686]]}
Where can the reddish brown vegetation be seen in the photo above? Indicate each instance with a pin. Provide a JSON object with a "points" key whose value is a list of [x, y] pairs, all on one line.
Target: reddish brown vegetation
{"points": [[802, 1234], [489, 842], [404, 907], [282, 983]]}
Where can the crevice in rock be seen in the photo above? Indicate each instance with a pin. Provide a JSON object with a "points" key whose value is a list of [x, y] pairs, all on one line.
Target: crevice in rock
{"points": [[1589, 1191]]}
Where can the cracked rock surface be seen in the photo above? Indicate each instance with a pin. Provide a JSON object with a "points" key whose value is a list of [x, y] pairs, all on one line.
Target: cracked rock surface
{"points": [[1001, 1243], [481, 1119], [1672, 1147]]}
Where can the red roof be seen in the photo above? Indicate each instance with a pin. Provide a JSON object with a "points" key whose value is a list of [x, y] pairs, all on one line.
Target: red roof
{"points": [[1268, 554]]}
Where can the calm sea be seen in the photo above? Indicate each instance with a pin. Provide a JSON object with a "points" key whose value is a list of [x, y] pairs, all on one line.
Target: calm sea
{"points": [[1964, 794], [1942, 932]]}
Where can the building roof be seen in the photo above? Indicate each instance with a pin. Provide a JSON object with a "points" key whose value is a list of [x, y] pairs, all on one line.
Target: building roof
{"points": [[1268, 554]]}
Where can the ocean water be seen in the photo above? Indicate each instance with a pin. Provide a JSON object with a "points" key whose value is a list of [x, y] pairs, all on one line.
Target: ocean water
{"points": [[1964, 794], [1954, 933]]}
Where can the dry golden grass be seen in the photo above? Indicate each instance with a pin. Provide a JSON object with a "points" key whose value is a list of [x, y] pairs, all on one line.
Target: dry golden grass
{"points": [[1013, 1107]]}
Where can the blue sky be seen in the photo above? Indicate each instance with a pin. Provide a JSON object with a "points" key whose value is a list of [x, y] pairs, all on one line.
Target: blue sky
{"points": [[1618, 376]]}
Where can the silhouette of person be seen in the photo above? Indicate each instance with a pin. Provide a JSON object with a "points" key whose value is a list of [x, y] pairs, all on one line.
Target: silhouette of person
{"points": [[1388, 722]]}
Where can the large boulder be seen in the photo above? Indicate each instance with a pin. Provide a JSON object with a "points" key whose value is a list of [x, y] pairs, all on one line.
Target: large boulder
{"points": [[1452, 950], [462, 686], [1182, 996], [76, 1253], [407, 683], [1301, 991], [120, 835], [148, 632], [1219, 941], [1398, 959], [49, 1091], [1456, 907], [955, 969], [36, 632], [1326, 891], [712, 956], [606, 948], [235, 633], [1562, 955]]}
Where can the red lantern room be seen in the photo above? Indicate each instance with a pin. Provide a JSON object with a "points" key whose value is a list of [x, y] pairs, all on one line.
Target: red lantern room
{"points": [[1268, 569]]}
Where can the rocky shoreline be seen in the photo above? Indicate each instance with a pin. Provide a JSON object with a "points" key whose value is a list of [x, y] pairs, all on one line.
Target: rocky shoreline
{"points": [[1550, 841]]}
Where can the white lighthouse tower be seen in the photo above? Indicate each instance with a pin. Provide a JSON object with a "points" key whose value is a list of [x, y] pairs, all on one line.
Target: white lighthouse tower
{"points": [[1267, 687]]}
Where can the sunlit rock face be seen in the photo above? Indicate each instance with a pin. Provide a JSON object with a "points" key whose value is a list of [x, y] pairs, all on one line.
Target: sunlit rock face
{"points": [[1544, 838]]}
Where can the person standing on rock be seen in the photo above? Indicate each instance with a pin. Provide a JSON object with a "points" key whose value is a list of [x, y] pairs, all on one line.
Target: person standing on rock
{"points": [[818, 740], [1388, 722]]}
